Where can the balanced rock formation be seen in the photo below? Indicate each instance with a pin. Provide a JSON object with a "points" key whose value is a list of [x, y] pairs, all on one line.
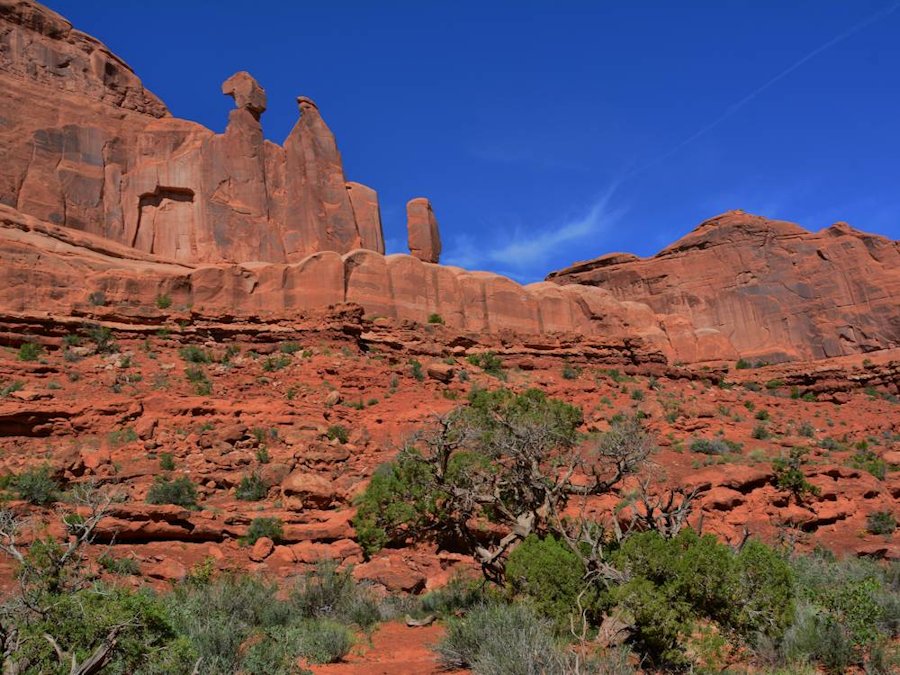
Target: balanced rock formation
{"points": [[777, 291], [87, 147], [422, 229]]}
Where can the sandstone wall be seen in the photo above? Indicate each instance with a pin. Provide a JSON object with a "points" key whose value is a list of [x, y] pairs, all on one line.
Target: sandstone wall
{"points": [[777, 291]]}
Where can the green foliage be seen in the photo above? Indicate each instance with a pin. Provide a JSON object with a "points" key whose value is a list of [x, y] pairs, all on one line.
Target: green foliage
{"points": [[329, 593], [195, 354], [847, 607], [264, 526], [37, 486], [547, 571], [163, 301], [166, 461], [338, 432], [103, 340], [498, 639], [273, 363], [717, 446], [197, 376], [570, 372], [179, 491], [252, 488], [742, 364], [415, 369], [7, 389], [30, 351], [123, 436], [789, 475], [774, 384], [289, 348], [120, 566], [867, 460], [435, 318], [410, 497], [637, 394], [489, 362], [673, 582], [881, 522], [762, 415], [760, 432]]}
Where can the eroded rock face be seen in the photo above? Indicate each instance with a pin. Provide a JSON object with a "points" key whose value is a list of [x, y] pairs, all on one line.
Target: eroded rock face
{"points": [[87, 147], [57, 270], [778, 292], [422, 231]]}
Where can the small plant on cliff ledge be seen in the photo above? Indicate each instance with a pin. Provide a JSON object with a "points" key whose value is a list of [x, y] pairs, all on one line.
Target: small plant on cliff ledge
{"points": [[789, 475], [570, 372], [252, 488], [273, 363], [338, 432], [435, 318], [194, 354], [166, 461], [881, 522], [180, 491], [415, 369], [197, 377], [8, 388], [264, 527], [36, 486], [867, 460], [489, 362], [163, 301], [30, 351], [97, 298]]}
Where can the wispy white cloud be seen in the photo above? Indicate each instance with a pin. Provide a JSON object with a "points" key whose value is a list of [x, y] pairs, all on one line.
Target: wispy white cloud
{"points": [[523, 253]]}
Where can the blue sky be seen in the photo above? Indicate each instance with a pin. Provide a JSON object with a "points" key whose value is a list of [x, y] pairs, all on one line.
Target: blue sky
{"points": [[546, 133]]}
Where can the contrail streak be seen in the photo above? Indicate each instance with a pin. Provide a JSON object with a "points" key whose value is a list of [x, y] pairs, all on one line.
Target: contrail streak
{"points": [[737, 105]]}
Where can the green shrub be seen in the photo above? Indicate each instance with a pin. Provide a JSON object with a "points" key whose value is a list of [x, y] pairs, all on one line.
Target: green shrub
{"points": [[262, 455], [103, 340], [7, 389], [30, 351], [163, 301], [499, 639], [36, 486], [881, 522], [717, 446], [435, 318], [415, 369], [197, 376], [637, 394], [789, 475], [166, 461], [97, 298], [489, 362], [760, 432], [252, 488], [547, 571], [742, 364], [273, 363], [329, 593], [119, 437], [338, 432], [179, 491], [570, 372], [195, 354], [867, 460], [762, 415], [289, 348], [264, 527], [120, 566]]}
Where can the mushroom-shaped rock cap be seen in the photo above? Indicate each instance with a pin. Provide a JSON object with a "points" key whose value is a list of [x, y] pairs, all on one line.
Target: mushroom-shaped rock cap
{"points": [[306, 103], [246, 92]]}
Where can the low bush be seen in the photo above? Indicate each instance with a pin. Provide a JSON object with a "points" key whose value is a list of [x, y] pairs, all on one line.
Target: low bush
{"points": [[166, 461], [252, 488], [501, 639], [179, 491], [789, 475], [329, 593], [881, 522], [717, 446], [867, 460], [36, 486], [489, 362], [195, 354], [120, 566], [435, 318], [339, 433], [163, 301], [264, 526], [30, 351], [415, 369]]}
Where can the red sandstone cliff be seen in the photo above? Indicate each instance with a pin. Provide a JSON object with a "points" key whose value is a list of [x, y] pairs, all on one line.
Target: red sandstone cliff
{"points": [[775, 290]]}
